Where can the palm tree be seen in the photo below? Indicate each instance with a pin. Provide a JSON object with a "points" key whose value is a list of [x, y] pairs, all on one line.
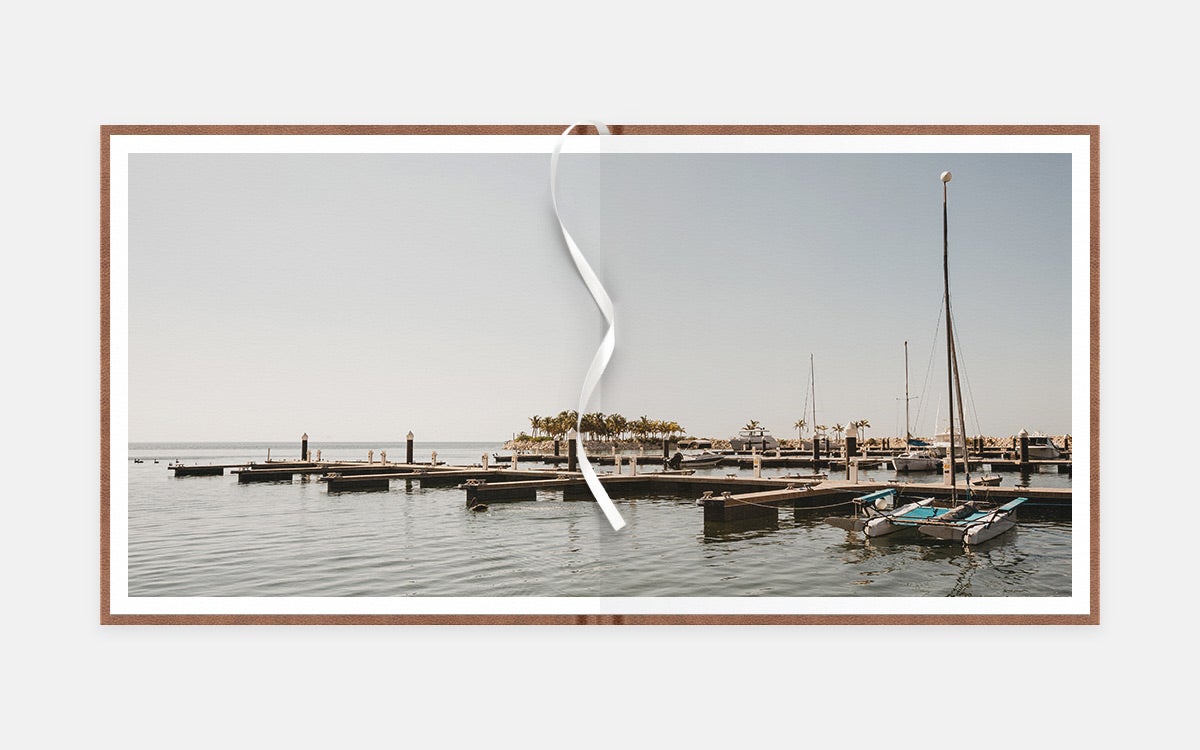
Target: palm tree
{"points": [[643, 426], [800, 423], [616, 425], [535, 423], [838, 429], [593, 424], [751, 425], [860, 428]]}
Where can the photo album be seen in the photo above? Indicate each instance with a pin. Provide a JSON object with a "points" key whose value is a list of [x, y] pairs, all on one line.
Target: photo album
{"points": [[599, 374]]}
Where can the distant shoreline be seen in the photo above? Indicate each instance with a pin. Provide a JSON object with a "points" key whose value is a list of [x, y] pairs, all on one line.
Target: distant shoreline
{"points": [[546, 445]]}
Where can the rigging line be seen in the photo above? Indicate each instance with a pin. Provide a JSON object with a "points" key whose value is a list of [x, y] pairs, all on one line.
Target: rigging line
{"points": [[607, 344], [783, 504], [966, 376], [929, 365]]}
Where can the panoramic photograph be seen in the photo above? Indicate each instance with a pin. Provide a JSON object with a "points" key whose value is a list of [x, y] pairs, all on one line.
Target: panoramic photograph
{"points": [[837, 379]]}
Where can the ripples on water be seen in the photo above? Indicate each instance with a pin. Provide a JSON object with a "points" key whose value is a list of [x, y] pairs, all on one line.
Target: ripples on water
{"points": [[210, 536]]}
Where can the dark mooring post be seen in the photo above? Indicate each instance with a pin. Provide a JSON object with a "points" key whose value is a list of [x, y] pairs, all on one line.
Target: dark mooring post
{"points": [[816, 452], [408, 453], [572, 448], [666, 448], [1024, 447], [556, 447], [304, 447], [851, 446]]}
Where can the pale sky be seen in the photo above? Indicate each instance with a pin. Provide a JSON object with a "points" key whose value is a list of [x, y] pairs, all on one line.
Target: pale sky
{"points": [[356, 297]]}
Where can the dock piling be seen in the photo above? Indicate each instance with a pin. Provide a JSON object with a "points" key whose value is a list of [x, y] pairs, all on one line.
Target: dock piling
{"points": [[304, 447], [572, 449], [408, 457]]}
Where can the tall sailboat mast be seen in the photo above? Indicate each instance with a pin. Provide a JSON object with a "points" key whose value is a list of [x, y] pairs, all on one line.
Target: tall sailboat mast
{"points": [[907, 429], [946, 177], [812, 369]]}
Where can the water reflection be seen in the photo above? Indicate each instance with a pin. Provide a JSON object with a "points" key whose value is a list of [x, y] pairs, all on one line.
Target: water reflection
{"points": [[216, 537], [736, 531]]}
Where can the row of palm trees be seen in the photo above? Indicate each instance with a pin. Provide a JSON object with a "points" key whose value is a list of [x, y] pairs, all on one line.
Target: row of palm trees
{"points": [[600, 426], [859, 426]]}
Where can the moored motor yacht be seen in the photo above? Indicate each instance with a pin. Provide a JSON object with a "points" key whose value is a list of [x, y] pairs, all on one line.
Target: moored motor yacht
{"points": [[753, 439], [1042, 447]]}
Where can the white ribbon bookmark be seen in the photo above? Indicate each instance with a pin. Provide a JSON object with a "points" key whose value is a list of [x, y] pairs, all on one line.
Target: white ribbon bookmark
{"points": [[604, 353]]}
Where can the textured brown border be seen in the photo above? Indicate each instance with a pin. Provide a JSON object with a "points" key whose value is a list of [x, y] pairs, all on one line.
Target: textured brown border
{"points": [[1092, 618]]}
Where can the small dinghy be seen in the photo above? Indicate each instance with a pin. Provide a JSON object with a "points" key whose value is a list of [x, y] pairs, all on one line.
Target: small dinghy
{"points": [[695, 461], [987, 480]]}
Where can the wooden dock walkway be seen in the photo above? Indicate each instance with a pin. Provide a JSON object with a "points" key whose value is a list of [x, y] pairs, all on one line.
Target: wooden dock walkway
{"points": [[724, 499], [727, 499], [684, 485]]}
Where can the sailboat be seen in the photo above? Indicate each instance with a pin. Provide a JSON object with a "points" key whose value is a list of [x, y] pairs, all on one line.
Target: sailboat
{"points": [[964, 521], [915, 457]]}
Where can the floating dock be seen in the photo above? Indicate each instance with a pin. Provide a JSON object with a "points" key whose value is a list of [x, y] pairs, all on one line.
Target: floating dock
{"points": [[728, 499], [725, 499]]}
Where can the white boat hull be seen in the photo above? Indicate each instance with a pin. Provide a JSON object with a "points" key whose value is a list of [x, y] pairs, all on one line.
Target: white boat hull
{"points": [[881, 525], [974, 534], [973, 531], [1043, 453], [916, 463]]}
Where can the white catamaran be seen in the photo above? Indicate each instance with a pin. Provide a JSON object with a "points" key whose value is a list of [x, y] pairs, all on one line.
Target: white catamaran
{"points": [[964, 521]]}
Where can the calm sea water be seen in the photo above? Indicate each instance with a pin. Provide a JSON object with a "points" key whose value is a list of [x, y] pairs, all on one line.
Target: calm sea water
{"points": [[210, 536]]}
